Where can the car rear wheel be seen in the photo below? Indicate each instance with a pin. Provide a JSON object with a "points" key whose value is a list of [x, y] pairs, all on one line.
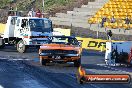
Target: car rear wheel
{"points": [[77, 63], [43, 62]]}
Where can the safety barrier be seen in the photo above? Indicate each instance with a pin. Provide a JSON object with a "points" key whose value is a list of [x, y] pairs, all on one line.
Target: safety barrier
{"points": [[93, 44]]}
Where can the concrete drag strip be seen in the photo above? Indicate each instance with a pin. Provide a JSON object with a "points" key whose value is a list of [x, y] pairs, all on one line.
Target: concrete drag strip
{"points": [[115, 69]]}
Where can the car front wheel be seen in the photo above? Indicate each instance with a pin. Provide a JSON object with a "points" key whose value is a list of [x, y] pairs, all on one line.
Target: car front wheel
{"points": [[43, 62]]}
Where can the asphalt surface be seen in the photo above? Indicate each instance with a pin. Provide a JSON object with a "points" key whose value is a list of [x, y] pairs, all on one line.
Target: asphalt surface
{"points": [[24, 71]]}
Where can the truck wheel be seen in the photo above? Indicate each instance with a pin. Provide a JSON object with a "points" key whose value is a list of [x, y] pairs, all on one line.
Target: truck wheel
{"points": [[21, 47], [43, 62], [77, 63], [2, 44]]}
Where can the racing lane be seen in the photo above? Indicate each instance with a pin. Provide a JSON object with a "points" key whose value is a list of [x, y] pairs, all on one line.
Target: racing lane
{"points": [[24, 71]]}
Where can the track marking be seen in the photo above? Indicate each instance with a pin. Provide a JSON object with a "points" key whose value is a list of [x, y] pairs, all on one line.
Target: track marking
{"points": [[19, 59], [15, 59], [3, 58]]}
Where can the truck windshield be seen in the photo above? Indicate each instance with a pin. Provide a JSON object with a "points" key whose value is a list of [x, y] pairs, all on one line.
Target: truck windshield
{"points": [[40, 25]]}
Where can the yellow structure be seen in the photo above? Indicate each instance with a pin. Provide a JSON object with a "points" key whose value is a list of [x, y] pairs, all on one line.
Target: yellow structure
{"points": [[92, 44], [120, 9], [2, 28]]}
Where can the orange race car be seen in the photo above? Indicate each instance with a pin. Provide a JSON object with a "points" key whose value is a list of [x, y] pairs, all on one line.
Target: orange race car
{"points": [[61, 49]]}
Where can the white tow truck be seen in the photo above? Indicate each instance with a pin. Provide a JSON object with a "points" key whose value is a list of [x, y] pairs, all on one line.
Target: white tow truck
{"points": [[118, 53], [24, 32]]}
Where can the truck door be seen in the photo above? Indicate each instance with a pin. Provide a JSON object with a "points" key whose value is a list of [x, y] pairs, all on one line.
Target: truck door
{"points": [[21, 27], [10, 26], [17, 28]]}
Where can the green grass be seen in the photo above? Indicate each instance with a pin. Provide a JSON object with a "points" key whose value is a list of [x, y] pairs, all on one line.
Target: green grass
{"points": [[3, 3], [51, 4], [26, 4]]}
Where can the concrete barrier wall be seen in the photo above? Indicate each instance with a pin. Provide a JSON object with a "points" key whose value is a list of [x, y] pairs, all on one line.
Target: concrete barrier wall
{"points": [[66, 32]]}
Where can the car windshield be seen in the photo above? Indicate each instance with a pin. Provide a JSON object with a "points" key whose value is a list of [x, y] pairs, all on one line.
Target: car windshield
{"points": [[63, 40], [40, 25]]}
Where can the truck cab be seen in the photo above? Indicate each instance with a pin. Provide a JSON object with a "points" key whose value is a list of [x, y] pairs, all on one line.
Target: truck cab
{"points": [[24, 32]]}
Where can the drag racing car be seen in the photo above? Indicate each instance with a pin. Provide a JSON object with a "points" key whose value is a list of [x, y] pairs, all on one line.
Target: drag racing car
{"points": [[61, 49]]}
